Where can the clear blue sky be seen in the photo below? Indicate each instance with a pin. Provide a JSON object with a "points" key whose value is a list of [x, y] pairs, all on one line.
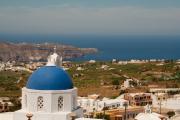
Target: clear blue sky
{"points": [[99, 17]]}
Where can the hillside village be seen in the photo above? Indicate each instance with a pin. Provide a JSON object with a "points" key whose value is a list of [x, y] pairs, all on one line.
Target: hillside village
{"points": [[112, 89]]}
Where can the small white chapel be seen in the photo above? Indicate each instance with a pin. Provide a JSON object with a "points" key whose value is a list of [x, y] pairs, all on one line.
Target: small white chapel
{"points": [[49, 94]]}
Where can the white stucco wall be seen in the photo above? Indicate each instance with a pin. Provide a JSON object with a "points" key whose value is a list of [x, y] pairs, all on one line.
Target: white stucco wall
{"points": [[50, 104]]}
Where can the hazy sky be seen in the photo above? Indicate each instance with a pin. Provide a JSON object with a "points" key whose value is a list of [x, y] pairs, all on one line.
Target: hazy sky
{"points": [[99, 17]]}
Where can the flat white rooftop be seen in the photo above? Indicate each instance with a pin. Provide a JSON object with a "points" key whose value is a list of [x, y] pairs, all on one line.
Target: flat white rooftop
{"points": [[6, 116]]}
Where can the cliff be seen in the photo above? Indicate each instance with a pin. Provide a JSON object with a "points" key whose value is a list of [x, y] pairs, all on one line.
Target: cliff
{"points": [[38, 52]]}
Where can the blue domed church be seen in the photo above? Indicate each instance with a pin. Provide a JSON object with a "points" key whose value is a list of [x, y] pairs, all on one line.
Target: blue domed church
{"points": [[49, 94]]}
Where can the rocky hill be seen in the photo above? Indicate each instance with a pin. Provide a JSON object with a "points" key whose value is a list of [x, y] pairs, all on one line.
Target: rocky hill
{"points": [[38, 52]]}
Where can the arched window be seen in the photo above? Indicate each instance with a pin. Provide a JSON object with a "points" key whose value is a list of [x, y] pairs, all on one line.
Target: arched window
{"points": [[25, 101], [40, 103], [60, 103], [74, 102]]}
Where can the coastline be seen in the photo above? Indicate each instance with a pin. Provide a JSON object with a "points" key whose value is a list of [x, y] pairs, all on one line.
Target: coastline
{"points": [[113, 47], [31, 52]]}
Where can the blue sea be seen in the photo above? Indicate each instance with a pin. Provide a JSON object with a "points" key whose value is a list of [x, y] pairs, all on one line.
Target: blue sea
{"points": [[111, 47]]}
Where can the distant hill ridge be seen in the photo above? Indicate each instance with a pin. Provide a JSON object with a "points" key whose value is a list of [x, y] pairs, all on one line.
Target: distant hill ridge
{"points": [[27, 52]]}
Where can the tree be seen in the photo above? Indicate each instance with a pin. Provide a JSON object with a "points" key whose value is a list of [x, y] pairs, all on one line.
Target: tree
{"points": [[170, 114], [115, 82], [101, 116], [17, 104], [122, 92]]}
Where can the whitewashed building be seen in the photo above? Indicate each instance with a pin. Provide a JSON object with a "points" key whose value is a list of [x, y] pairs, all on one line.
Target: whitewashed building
{"points": [[90, 105], [149, 115], [49, 94]]}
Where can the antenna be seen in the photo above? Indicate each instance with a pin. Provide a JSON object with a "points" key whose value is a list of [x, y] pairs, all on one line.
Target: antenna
{"points": [[61, 49], [61, 56]]}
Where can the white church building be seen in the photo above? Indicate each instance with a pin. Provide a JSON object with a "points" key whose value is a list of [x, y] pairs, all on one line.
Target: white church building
{"points": [[49, 94]]}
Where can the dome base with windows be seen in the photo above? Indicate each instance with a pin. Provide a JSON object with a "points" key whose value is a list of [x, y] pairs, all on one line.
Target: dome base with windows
{"points": [[49, 94], [48, 105]]}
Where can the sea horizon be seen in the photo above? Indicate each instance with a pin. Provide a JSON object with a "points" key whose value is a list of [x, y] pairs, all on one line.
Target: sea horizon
{"points": [[111, 47]]}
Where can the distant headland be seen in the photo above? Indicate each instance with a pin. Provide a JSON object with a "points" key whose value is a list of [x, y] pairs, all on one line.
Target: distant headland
{"points": [[27, 52]]}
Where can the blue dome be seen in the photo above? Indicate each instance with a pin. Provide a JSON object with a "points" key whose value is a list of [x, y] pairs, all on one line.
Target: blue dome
{"points": [[49, 78]]}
